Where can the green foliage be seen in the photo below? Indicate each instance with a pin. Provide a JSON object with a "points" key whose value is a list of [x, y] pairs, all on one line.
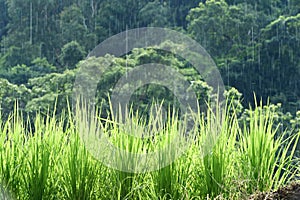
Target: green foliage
{"points": [[254, 43], [11, 94], [255, 46], [71, 54], [41, 67], [234, 99], [144, 96], [282, 61], [73, 26], [52, 162], [221, 29], [19, 55], [3, 18], [269, 161], [155, 14], [71, 22], [57, 93], [19, 74]]}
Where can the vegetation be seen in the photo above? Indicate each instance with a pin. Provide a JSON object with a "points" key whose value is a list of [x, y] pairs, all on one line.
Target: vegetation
{"points": [[254, 45], [51, 161]]}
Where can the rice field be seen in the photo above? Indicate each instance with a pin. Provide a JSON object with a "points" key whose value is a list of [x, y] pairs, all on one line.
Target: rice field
{"points": [[50, 161]]}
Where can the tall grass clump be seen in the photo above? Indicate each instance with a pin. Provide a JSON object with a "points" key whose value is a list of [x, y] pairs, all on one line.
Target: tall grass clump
{"points": [[44, 161], [267, 158], [37, 161], [12, 154], [172, 179], [224, 156], [216, 150], [78, 171]]}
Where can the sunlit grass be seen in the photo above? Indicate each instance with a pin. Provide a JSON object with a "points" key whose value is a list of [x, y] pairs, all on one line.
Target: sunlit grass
{"points": [[268, 163], [224, 158]]}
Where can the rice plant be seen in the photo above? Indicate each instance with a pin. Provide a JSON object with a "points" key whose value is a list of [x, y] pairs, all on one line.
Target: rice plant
{"points": [[266, 161], [12, 154], [223, 158]]}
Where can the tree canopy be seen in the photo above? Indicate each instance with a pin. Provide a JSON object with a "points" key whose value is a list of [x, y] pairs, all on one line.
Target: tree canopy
{"points": [[254, 44]]}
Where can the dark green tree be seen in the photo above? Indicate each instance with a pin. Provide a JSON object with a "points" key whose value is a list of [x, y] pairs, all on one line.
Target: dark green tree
{"points": [[3, 18], [71, 54], [54, 95], [10, 94], [155, 14], [74, 28], [40, 67]]}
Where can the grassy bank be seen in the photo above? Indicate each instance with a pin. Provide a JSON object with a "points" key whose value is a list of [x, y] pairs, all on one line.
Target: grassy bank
{"points": [[51, 161]]}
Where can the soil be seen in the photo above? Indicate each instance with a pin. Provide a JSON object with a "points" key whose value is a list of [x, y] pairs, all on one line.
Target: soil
{"points": [[290, 192]]}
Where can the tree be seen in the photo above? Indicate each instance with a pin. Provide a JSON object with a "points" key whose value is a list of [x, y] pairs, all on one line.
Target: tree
{"points": [[11, 94], [117, 16], [3, 18], [179, 11], [155, 14], [41, 67], [71, 54], [293, 7], [232, 35], [15, 55], [279, 64], [72, 25], [34, 23], [54, 95], [269, 7], [19, 74], [222, 29]]}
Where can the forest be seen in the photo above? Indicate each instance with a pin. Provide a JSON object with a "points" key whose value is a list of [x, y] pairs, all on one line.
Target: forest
{"points": [[254, 44], [44, 43]]}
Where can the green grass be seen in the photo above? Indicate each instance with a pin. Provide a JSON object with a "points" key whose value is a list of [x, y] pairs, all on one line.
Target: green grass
{"points": [[225, 159], [268, 163]]}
